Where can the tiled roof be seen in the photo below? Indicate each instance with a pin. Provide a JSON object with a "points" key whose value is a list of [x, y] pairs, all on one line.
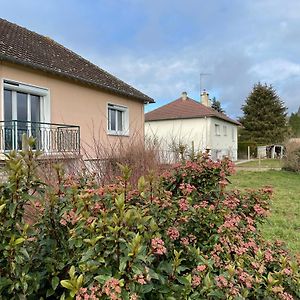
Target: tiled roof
{"points": [[22, 46], [185, 109]]}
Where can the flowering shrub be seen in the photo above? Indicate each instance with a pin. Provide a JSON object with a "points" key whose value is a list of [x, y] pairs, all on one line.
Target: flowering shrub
{"points": [[179, 236]]}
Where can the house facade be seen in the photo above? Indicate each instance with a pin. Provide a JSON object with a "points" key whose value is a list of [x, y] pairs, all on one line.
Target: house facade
{"points": [[193, 125], [67, 103]]}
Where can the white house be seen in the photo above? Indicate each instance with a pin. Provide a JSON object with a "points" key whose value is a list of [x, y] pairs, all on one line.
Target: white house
{"points": [[195, 125]]}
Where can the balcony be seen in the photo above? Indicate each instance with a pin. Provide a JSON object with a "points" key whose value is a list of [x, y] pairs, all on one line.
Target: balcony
{"points": [[53, 139]]}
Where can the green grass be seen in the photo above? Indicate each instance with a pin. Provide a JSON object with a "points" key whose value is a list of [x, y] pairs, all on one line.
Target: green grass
{"points": [[284, 221], [264, 163]]}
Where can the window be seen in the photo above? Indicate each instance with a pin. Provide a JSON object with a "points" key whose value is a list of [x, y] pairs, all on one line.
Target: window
{"points": [[117, 119], [217, 129], [24, 107], [225, 130]]}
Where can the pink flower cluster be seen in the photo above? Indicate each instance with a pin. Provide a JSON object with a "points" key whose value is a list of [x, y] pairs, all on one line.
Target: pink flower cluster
{"points": [[98, 207], [245, 278], [259, 210], [221, 281], [158, 247], [134, 297], [285, 296], [203, 204], [112, 288], [186, 188], [196, 280], [190, 239], [90, 220], [140, 278], [201, 268], [93, 293], [231, 223], [70, 217], [269, 255], [231, 202], [183, 204], [173, 233], [184, 241], [267, 190]]}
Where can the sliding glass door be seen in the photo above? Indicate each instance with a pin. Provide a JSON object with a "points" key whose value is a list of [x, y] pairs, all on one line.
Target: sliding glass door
{"points": [[22, 116]]}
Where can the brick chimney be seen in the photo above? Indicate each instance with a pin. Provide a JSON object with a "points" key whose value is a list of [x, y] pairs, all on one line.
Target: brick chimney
{"points": [[184, 95], [205, 98]]}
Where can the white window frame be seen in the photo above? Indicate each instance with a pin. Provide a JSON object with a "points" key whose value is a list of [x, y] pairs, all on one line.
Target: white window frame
{"points": [[125, 119], [225, 130], [217, 130], [42, 92]]}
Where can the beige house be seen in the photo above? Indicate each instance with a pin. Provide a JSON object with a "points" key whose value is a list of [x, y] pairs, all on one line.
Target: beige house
{"points": [[64, 101], [193, 125]]}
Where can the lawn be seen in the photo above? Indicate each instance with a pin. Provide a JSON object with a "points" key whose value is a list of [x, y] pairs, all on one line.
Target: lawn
{"points": [[284, 221], [263, 163]]}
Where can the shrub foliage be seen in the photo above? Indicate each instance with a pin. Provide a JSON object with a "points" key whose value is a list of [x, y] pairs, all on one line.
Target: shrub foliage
{"points": [[291, 161], [178, 236]]}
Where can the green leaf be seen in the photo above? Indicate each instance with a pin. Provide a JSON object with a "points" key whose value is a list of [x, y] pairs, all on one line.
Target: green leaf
{"points": [[4, 282], [217, 295], [62, 297], [49, 293], [146, 288], [2, 207], [54, 282], [67, 284], [25, 253], [153, 274], [123, 263], [141, 184], [73, 293], [102, 278], [19, 241], [207, 281], [72, 272], [79, 281], [183, 280]]}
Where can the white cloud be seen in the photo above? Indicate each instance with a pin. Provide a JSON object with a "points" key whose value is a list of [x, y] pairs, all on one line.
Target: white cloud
{"points": [[275, 70]]}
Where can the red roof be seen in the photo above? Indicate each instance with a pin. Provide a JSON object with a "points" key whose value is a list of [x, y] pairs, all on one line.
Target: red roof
{"points": [[185, 109], [22, 46]]}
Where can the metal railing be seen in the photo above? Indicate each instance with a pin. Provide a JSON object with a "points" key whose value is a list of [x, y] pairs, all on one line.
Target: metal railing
{"points": [[49, 137]]}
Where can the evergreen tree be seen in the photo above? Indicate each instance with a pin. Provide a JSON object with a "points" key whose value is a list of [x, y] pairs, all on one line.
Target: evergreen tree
{"points": [[264, 117], [294, 123], [216, 105]]}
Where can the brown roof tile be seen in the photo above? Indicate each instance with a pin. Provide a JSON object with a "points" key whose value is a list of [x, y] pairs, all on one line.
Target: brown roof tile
{"points": [[22, 46], [185, 109]]}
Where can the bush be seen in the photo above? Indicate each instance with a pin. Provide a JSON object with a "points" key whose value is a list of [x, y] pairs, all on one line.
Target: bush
{"points": [[102, 159], [291, 160], [179, 236]]}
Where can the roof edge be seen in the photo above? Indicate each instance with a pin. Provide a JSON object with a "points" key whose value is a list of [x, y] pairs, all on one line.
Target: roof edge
{"points": [[39, 67]]}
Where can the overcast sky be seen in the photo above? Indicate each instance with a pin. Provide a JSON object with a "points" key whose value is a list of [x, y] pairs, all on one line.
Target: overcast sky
{"points": [[161, 47]]}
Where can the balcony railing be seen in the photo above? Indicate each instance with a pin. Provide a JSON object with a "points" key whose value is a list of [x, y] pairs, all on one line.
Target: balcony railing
{"points": [[49, 138]]}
